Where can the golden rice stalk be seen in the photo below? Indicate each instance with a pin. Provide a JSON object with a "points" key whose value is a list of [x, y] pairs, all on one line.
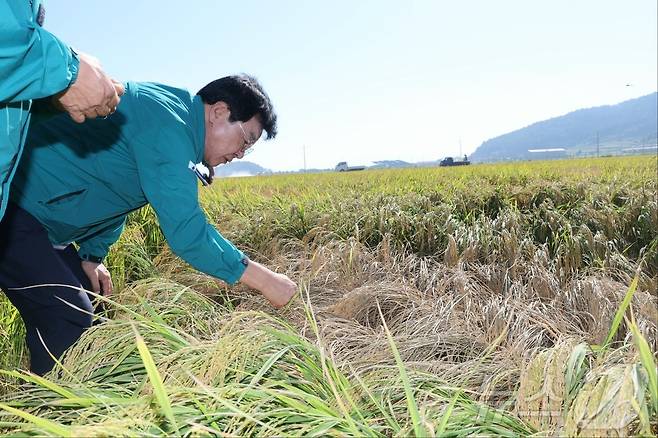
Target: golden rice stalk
{"points": [[587, 235], [470, 254], [609, 404], [510, 247], [451, 257], [353, 303]]}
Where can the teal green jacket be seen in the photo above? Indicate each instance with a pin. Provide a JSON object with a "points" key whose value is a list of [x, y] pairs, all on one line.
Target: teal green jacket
{"points": [[33, 64], [81, 180]]}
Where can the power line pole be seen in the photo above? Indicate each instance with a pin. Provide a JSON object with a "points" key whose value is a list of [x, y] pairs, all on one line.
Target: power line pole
{"points": [[597, 144]]}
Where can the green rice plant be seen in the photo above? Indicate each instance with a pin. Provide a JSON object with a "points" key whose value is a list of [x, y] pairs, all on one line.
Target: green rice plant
{"points": [[156, 381], [129, 259], [43, 424], [145, 220], [648, 361], [618, 319], [13, 351], [576, 367], [419, 430]]}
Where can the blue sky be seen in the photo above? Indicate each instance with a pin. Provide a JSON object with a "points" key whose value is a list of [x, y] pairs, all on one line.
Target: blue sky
{"points": [[367, 80]]}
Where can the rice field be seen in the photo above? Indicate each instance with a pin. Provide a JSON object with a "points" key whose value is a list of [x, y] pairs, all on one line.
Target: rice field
{"points": [[493, 300]]}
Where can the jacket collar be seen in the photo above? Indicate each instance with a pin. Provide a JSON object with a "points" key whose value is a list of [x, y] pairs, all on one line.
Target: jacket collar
{"points": [[198, 127]]}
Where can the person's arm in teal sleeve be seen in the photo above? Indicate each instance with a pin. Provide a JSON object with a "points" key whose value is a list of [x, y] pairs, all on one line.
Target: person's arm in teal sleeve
{"points": [[172, 190], [96, 247], [33, 62]]}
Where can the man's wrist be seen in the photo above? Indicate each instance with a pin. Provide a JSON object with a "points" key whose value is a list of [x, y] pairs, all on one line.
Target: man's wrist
{"points": [[91, 258], [255, 276]]}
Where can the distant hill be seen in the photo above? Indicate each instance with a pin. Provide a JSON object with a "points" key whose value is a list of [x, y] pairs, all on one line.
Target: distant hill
{"points": [[627, 125], [240, 168]]}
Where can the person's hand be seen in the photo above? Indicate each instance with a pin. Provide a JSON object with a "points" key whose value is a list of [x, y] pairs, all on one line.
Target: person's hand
{"points": [[277, 288], [279, 291], [99, 276], [92, 94]]}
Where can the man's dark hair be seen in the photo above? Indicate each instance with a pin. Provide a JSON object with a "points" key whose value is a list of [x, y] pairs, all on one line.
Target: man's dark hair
{"points": [[245, 98]]}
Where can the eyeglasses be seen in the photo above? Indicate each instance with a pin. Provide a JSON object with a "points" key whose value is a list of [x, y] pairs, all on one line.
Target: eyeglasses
{"points": [[246, 149]]}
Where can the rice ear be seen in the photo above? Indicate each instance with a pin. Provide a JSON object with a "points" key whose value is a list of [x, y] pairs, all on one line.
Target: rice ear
{"points": [[450, 256]]}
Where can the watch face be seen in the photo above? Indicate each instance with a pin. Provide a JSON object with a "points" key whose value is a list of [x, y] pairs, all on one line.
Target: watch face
{"points": [[245, 261]]}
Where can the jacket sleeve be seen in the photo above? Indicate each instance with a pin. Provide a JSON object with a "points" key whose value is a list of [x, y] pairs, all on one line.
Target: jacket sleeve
{"points": [[33, 62], [98, 245], [172, 190]]}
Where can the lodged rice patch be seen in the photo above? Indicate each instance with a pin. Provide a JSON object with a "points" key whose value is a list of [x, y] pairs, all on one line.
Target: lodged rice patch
{"points": [[254, 375]]}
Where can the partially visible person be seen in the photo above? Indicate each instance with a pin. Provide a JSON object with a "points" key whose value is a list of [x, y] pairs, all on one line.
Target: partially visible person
{"points": [[77, 184], [35, 64]]}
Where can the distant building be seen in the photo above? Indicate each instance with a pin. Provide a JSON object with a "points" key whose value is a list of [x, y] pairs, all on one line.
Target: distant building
{"points": [[640, 150], [547, 153]]}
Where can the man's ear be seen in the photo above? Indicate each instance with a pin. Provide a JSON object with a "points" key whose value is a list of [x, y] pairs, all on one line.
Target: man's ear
{"points": [[219, 110]]}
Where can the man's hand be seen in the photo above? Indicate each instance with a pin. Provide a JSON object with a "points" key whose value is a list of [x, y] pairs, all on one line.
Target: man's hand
{"points": [[277, 288], [279, 291], [99, 276], [92, 94]]}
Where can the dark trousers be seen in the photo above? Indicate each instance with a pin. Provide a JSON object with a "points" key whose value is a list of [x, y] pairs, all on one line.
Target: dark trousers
{"points": [[27, 258]]}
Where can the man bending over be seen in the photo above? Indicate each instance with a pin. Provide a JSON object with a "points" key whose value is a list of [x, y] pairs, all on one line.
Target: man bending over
{"points": [[77, 183]]}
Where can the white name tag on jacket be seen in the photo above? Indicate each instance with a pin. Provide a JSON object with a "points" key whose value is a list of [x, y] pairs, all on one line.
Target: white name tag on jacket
{"points": [[201, 171]]}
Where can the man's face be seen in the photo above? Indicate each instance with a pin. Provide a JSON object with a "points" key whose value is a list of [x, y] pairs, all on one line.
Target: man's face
{"points": [[227, 140]]}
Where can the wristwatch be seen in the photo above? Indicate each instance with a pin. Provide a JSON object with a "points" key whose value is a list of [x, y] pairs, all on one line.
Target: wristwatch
{"points": [[91, 258]]}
